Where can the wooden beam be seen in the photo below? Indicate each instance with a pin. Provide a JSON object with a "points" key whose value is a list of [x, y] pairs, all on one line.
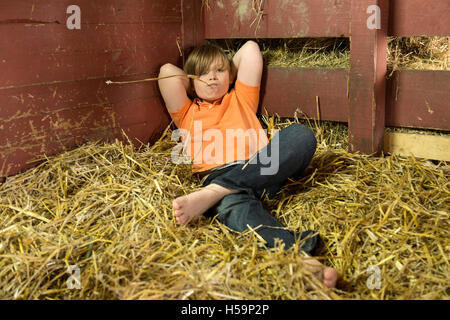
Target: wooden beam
{"points": [[415, 98], [418, 145], [367, 84], [418, 99], [53, 94], [319, 18], [285, 90], [193, 25], [419, 18], [19, 158], [277, 19]]}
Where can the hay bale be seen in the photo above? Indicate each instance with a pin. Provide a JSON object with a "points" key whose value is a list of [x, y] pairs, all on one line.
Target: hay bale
{"points": [[417, 53], [106, 208], [297, 52]]}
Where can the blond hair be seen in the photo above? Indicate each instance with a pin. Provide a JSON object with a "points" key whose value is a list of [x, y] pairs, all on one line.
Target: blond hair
{"points": [[202, 57]]}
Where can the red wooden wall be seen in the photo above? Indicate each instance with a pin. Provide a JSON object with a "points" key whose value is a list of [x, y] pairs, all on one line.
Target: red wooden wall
{"points": [[53, 94], [361, 96]]}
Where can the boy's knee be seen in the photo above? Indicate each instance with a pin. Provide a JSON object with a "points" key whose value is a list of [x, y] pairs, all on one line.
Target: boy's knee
{"points": [[303, 134]]}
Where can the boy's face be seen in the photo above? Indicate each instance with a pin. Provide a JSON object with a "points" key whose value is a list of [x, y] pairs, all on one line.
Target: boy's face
{"points": [[218, 79]]}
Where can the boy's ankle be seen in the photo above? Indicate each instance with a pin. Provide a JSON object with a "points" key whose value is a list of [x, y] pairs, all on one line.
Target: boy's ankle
{"points": [[220, 190]]}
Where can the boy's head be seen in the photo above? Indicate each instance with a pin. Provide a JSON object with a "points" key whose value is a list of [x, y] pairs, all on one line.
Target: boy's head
{"points": [[212, 65]]}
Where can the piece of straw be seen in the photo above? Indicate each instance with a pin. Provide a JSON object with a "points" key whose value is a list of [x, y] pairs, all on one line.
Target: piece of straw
{"points": [[156, 79]]}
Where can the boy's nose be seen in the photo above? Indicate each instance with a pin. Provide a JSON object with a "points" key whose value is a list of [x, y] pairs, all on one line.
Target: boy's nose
{"points": [[212, 75]]}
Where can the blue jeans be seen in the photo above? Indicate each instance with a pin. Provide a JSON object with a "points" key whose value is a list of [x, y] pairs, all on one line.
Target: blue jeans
{"points": [[295, 145]]}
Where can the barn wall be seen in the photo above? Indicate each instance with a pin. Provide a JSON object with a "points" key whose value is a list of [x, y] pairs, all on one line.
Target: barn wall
{"points": [[53, 94]]}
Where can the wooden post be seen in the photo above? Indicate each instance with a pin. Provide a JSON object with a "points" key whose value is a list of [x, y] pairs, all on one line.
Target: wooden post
{"points": [[367, 83], [193, 25]]}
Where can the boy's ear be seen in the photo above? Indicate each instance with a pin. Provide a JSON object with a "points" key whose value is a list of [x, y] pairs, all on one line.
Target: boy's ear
{"points": [[233, 74], [191, 92], [233, 71]]}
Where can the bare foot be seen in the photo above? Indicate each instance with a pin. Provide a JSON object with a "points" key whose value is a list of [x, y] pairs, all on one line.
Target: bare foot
{"points": [[197, 203], [325, 274]]}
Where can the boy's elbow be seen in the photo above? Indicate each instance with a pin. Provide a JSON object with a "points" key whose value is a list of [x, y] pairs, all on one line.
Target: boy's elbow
{"points": [[165, 69], [252, 45], [252, 50]]}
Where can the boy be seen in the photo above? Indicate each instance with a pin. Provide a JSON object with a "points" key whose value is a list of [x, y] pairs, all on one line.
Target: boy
{"points": [[234, 178]]}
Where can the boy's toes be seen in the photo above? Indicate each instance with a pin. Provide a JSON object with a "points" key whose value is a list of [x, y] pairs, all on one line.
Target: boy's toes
{"points": [[182, 220], [330, 276], [176, 204]]}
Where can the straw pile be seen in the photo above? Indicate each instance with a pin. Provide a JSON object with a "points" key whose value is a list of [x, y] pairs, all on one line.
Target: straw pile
{"points": [[297, 52], [418, 53], [106, 209]]}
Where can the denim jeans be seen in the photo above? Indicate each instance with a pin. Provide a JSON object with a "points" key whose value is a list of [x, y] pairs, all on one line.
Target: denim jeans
{"points": [[295, 146]]}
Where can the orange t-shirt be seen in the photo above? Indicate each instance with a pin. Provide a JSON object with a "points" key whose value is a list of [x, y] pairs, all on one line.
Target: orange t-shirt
{"points": [[223, 132]]}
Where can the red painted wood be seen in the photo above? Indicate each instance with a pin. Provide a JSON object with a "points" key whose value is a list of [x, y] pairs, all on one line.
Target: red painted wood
{"points": [[136, 56], [320, 18], [36, 142], [33, 100], [367, 85], [281, 19], [415, 98], [83, 124], [22, 158], [193, 27], [417, 17], [27, 130], [284, 90], [92, 12], [53, 94], [56, 39], [419, 99]]}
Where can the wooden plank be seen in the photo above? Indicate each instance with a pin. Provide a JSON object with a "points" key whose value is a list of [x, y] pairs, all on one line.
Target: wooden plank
{"points": [[28, 130], [93, 12], [52, 86], [419, 18], [43, 135], [193, 27], [42, 101], [279, 19], [24, 69], [419, 99], [319, 18], [367, 87], [285, 90], [20, 158], [55, 39], [418, 145]]}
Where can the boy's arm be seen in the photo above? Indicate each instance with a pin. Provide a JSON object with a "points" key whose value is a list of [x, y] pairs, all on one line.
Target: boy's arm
{"points": [[248, 64], [173, 90]]}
